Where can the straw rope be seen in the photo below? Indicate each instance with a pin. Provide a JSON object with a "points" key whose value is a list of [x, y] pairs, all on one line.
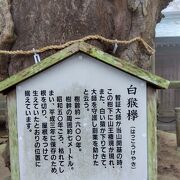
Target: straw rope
{"points": [[148, 48]]}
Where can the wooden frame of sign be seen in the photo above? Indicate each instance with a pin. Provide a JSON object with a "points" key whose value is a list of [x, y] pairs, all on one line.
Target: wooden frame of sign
{"points": [[153, 82]]}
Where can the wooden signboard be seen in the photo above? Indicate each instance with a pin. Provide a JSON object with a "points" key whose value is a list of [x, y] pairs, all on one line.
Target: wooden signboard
{"points": [[83, 118]]}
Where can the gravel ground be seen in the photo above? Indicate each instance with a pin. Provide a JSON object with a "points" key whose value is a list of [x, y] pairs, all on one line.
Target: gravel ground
{"points": [[4, 172], [168, 157]]}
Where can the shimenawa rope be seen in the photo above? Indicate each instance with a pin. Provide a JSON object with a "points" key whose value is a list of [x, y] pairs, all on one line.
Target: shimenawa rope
{"points": [[148, 48]]}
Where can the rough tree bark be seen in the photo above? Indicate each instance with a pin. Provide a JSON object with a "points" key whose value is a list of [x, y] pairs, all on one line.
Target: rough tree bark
{"points": [[42, 22], [6, 35], [38, 23]]}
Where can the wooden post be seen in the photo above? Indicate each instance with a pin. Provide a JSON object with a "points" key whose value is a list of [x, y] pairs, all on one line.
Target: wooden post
{"points": [[177, 115], [13, 135], [174, 85], [152, 133]]}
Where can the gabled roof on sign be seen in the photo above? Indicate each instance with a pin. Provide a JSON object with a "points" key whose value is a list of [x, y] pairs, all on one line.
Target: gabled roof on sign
{"points": [[91, 51]]}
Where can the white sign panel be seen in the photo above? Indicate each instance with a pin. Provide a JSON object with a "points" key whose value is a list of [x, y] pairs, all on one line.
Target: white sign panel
{"points": [[82, 120]]}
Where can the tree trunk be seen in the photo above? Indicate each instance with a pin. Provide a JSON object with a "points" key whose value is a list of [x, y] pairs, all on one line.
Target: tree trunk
{"points": [[6, 35], [39, 23], [42, 22]]}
